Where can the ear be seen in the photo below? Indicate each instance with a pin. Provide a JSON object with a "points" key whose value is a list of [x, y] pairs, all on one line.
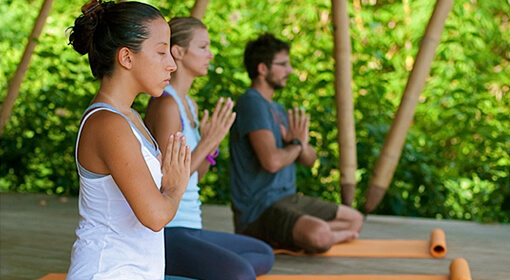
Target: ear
{"points": [[124, 56], [262, 69], [177, 52]]}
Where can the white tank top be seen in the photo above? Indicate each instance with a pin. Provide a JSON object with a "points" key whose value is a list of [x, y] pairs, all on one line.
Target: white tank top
{"points": [[111, 242]]}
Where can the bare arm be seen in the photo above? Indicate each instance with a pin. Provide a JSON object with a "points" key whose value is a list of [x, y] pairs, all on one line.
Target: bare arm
{"points": [[163, 119], [108, 146], [308, 156], [214, 129], [204, 165], [271, 157]]}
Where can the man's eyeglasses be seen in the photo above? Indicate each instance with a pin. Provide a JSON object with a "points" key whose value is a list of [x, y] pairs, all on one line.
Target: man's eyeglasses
{"points": [[282, 64]]}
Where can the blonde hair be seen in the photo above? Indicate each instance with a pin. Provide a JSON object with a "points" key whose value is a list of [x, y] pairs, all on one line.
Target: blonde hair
{"points": [[182, 30]]}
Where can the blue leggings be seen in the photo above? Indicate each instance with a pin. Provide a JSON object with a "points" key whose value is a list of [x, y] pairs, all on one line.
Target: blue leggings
{"points": [[210, 255]]}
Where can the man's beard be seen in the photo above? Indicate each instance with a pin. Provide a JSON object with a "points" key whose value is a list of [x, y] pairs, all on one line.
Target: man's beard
{"points": [[274, 84]]}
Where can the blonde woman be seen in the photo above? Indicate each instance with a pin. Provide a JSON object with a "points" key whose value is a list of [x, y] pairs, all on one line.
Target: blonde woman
{"points": [[190, 250]]}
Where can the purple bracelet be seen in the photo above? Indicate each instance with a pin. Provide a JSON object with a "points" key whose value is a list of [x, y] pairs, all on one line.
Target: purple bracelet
{"points": [[210, 158]]}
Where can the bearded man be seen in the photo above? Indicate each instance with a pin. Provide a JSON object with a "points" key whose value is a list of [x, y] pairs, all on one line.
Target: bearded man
{"points": [[265, 143]]}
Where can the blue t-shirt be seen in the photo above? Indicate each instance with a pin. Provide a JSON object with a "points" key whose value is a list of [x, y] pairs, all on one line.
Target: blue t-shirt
{"points": [[253, 188]]}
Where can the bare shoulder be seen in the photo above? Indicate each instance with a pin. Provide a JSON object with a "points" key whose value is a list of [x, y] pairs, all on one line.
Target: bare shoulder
{"points": [[161, 107], [105, 135], [105, 124], [163, 118]]}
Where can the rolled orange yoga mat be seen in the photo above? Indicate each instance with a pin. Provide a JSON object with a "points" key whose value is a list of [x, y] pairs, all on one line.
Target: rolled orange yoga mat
{"points": [[437, 245], [459, 270], [385, 248]]}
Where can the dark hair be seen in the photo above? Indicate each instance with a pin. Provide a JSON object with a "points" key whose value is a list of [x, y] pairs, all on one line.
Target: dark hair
{"points": [[104, 28], [182, 30], [262, 50]]}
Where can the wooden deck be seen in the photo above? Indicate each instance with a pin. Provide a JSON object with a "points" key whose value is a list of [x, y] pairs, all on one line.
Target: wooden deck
{"points": [[37, 232]]}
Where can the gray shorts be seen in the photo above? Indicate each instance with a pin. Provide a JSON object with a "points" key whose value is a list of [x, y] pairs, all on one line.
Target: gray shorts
{"points": [[275, 225]]}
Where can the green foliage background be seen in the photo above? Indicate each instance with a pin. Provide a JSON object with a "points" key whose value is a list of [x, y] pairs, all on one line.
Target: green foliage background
{"points": [[456, 159]]}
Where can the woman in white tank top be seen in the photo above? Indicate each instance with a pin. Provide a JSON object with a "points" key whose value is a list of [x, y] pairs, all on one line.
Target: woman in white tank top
{"points": [[128, 190]]}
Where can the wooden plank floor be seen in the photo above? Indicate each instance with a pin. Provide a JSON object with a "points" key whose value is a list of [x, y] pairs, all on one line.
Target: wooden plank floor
{"points": [[37, 232]]}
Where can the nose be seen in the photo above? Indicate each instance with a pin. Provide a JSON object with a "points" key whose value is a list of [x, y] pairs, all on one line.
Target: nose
{"points": [[210, 55], [291, 70], [171, 66]]}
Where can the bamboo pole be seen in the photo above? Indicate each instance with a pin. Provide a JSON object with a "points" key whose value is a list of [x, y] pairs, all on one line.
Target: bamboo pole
{"points": [[14, 86], [392, 148], [198, 10], [343, 99]]}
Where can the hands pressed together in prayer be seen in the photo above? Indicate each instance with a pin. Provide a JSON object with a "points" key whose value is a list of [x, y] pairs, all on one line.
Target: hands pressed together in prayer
{"points": [[299, 123], [214, 129], [175, 164]]}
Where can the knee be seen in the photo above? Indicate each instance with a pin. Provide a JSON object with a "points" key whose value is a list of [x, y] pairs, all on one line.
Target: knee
{"points": [[265, 260], [320, 238]]}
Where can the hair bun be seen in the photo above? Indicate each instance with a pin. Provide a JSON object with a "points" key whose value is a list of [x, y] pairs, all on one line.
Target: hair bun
{"points": [[91, 7]]}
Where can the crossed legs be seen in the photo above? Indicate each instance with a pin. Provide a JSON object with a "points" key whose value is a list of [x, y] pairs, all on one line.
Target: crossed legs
{"points": [[315, 235], [300, 222]]}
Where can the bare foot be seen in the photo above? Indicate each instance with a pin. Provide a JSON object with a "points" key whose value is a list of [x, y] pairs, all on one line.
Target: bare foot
{"points": [[346, 235]]}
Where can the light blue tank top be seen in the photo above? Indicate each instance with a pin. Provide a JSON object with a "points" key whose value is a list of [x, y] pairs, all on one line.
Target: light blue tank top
{"points": [[188, 214]]}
